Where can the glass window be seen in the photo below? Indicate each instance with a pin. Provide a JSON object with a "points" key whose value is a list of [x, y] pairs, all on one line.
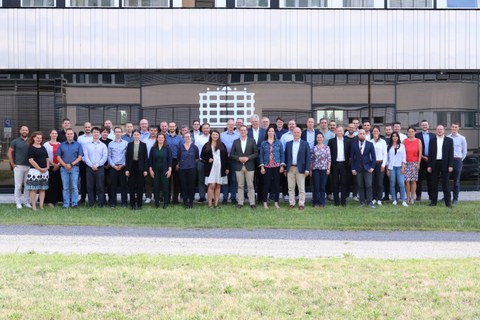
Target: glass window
{"points": [[442, 118], [304, 3], [146, 3], [358, 3], [455, 116], [462, 3], [468, 120], [92, 3], [410, 3], [38, 3], [253, 4]]}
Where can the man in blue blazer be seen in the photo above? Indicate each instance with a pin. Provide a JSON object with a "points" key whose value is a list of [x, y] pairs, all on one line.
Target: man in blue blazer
{"points": [[363, 163], [258, 134], [297, 158]]}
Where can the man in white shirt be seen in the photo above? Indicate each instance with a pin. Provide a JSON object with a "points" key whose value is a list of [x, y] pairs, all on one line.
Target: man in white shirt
{"points": [[459, 154], [286, 137], [425, 136], [397, 126], [150, 141], [200, 141], [86, 137], [108, 125], [367, 127], [340, 166]]}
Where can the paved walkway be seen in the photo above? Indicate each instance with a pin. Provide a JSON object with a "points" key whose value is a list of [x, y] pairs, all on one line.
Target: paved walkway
{"points": [[270, 243]]}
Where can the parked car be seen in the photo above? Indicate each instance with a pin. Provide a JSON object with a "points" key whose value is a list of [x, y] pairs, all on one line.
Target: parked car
{"points": [[471, 166]]}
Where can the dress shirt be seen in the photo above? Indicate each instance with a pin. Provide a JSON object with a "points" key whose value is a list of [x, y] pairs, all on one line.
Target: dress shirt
{"points": [[426, 141], [439, 147], [255, 134], [380, 151], [200, 142], [340, 150], [396, 159], [149, 142], [286, 137], [84, 138], [295, 147], [228, 137], [70, 151], [127, 138], [95, 153], [144, 135], [111, 135], [243, 144], [459, 146], [310, 135], [116, 152], [361, 146], [327, 136], [368, 136], [355, 133], [402, 136], [174, 142]]}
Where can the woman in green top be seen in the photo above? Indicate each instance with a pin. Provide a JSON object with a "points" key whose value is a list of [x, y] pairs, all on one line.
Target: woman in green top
{"points": [[160, 167]]}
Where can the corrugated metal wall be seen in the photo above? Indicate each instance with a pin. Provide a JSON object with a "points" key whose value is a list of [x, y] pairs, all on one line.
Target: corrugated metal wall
{"points": [[85, 39]]}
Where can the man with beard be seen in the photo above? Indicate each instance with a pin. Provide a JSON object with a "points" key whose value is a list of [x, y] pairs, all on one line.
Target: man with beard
{"points": [[17, 156]]}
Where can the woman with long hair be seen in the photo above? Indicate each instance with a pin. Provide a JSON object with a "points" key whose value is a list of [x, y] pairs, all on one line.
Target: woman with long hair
{"points": [[136, 169], [55, 188], [379, 170], [413, 149], [37, 177], [215, 155], [319, 170], [188, 156], [272, 163], [160, 167], [396, 167]]}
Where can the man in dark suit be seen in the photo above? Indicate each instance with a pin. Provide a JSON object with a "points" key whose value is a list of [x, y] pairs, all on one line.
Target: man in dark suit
{"points": [[258, 134], [297, 159], [244, 153], [340, 153], [425, 137], [440, 161], [363, 164]]}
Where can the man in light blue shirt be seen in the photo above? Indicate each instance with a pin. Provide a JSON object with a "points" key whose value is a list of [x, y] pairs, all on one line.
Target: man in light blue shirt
{"points": [[174, 140], [95, 154], [227, 137], [459, 154], [288, 136], [116, 158], [144, 133]]}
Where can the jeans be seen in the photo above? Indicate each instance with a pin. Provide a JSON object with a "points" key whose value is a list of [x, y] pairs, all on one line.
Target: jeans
{"points": [[319, 182], [271, 180], [457, 172], [70, 182], [398, 178], [231, 187]]}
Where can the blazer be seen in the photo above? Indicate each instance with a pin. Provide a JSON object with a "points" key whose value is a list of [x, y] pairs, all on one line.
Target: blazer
{"points": [[142, 157], [332, 143], [166, 161], [205, 155], [447, 153], [419, 135], [304, 135], [303, 156], [251, 151], [368, 158], [261, 135]]}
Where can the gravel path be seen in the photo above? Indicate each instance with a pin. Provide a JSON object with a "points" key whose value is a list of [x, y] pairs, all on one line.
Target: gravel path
{"points": [[264, 242]]}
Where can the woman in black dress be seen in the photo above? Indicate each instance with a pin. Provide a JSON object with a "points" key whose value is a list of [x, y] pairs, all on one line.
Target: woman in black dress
{"points": [[37, 177]]}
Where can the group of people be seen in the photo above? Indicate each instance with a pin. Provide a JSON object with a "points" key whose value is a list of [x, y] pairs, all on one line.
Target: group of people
{"points": [[163, 164]]}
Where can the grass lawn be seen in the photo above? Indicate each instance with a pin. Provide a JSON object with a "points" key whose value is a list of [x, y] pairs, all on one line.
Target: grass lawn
{"points": [[464, 217], [168, 287]]}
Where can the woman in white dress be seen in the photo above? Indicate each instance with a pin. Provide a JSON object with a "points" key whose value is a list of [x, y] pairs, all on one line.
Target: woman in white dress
{"points": [[214, 154]]}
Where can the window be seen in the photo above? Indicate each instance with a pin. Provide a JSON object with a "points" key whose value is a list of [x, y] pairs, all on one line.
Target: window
{"points": [[468, 119], [146, 3], [92, 3], [38, 3], [410, 3], [97, 114], [442, 118], [253, 4], [304, 3], [462, 4], [358, 3]]}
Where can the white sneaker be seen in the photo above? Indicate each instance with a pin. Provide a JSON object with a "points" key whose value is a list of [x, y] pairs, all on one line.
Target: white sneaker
{"points": [[356, 198], [404, 204], [285, 198], [379, 202], [148, 200], [27, 205], [394, 203], [374, 201], [19, 206]]}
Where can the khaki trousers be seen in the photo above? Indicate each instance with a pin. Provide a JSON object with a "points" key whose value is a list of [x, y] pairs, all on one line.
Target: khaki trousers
{"points": [[20, 176], [243, 175], [296, 178]]}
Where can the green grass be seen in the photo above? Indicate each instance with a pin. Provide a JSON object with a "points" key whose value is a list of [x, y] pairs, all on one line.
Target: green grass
{"points": [[158, 287], [464, 217]]}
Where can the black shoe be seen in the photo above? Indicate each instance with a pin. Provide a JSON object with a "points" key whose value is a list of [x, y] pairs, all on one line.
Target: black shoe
{"points": [[112, 206], [81, 201], [175, 202], [431, 204], [157, 204], [202, 200], [132, 208], [224, 201], [165, 205]]}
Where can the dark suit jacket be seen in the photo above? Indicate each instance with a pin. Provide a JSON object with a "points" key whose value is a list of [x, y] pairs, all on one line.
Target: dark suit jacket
{"points": [[251, 151], [419, 135], [304, 135], [332, 143], [208, 154], [142, 157], [261, 135], [303, 156], [368, 156], [447, 153]]}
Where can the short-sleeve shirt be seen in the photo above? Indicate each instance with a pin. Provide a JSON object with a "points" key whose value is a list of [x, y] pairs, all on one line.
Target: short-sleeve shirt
{"points": [[20, 151], [39, 155]]}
